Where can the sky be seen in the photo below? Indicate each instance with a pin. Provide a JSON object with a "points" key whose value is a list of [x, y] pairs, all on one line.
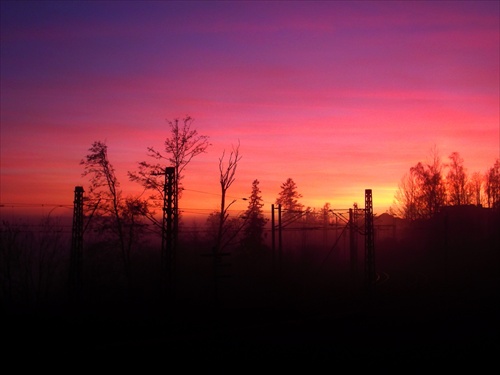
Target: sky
{"points": [[339, 96]]}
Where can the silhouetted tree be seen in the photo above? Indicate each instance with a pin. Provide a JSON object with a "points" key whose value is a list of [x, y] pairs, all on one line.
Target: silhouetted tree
{"points": [[255, 220], [406, 199], [116, 214], [104, 187], [474, 188], [325, 214], [325, 220], [182, 145], [492, 185], [226, 179], [231, 230], [431, 195], [312, 216], [135, 209], [456, 180], [289, 199], [421, 192]]}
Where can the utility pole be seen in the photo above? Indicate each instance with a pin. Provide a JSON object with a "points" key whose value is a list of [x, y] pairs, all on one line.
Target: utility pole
{"points": [[273, 235], [369, 243], [76, 254]]}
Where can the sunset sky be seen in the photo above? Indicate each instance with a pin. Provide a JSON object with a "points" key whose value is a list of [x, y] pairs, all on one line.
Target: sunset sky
{"points": [[339, 96]]}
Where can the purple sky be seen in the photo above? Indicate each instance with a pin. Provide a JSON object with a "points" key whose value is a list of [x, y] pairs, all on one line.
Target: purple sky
{"points": [[339, 96]]}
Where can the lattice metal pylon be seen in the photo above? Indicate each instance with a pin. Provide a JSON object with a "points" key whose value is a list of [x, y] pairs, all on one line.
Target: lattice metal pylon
{"points": [[76, 247], [353, 241], [369, 242], [168, 246]]}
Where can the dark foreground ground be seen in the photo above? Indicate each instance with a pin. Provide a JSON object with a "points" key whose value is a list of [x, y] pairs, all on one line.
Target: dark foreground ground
{"points": [[405, 330], [435, 306]]}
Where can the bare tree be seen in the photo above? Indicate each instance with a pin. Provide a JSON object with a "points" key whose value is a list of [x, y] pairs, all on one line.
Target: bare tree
{"points": [[182, 145], [226, 179], [431, 196], [104, 186], [117, 215], [406, 198], [474, 188], [492, 185], [421, 192], [456, 180]]}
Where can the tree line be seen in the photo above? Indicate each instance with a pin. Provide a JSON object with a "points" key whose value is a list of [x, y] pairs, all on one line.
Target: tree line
{"points": [[119, 226], [421, 193], [123, 223], [429, 186]]}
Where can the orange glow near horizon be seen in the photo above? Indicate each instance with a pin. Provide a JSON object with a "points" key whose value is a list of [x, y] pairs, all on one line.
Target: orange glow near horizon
{"points": [[339, 96]]}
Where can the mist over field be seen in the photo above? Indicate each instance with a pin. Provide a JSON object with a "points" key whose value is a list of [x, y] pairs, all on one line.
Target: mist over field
{"points": [[435, 297]]}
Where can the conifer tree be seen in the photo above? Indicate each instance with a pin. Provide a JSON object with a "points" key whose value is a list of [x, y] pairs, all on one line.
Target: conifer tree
{"points": [[289, 200], [253, 237]]}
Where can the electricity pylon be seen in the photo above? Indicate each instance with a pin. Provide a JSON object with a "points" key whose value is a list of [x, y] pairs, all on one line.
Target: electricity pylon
{"points": [[76, 255], [369, 242], [168, 237]]}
